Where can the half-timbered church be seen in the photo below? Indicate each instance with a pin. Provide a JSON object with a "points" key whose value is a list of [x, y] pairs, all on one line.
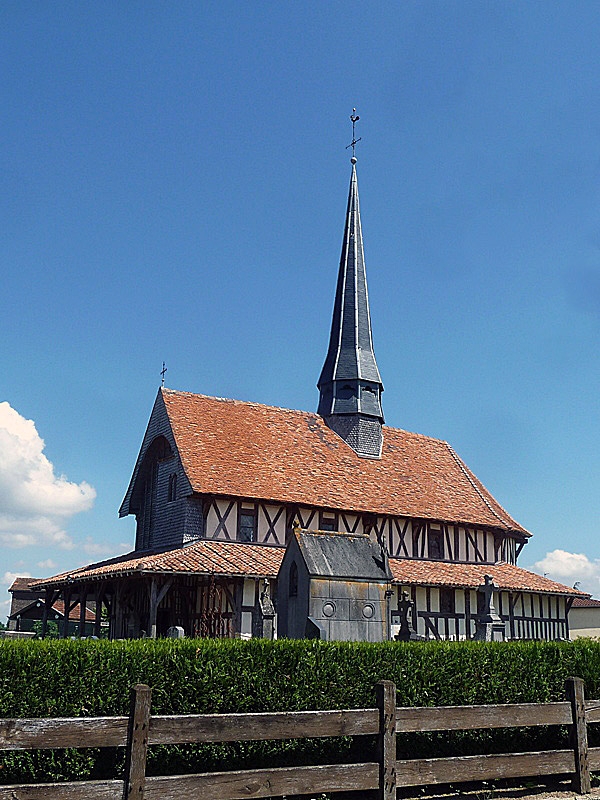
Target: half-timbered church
{"points": [[220, 487]]}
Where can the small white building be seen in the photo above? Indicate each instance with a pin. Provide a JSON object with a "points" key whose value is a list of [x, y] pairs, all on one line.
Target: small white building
{"points": [[584, 618]]}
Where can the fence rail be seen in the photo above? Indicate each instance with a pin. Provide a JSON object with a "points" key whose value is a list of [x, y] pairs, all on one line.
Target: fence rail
{"points": [[383, 776]]}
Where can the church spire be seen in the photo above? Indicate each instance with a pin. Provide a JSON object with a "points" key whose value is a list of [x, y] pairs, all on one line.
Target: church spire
{"points": [[350, 385]]}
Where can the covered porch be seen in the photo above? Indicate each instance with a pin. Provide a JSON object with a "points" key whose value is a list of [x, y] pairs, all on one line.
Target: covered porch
{"points": [[207, 589]]}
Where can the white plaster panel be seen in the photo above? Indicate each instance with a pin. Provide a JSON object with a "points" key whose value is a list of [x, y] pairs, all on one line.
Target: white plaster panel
{"points": [[490, 546], [249, 592], [263, 525], [462, 551], [460, 602], [246, 629], [481, 539], [435, 599], [421, 598], [212, 521], [309, 518], [350, 519]]}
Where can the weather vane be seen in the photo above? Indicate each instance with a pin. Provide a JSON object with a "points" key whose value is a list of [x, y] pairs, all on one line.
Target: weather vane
{"points": [[354, 119], [162, 373]]}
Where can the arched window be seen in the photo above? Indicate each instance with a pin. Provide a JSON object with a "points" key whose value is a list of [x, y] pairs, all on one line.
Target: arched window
{"points": [[172, 495], [293, 588]]}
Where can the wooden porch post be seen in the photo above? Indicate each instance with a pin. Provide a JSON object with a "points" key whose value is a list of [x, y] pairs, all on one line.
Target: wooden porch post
{"points": [[156, 597], [101, 589], [117, 615], [82, 609], [153, 609], [47, 606], [67, 607]]}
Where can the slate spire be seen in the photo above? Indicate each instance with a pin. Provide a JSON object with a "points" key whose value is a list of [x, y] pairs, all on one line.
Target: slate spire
{"points": [[350, 385]]}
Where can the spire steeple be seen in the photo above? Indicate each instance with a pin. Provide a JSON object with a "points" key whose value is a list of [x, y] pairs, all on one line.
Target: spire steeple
{"points": [[350, 386]]}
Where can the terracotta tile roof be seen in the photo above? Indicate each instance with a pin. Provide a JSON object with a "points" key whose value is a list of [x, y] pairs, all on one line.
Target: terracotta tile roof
{"points": [[22, 584], [74, 615], [57, 606], [206, 557], [470, 576], [229, 447], [586, 602]]}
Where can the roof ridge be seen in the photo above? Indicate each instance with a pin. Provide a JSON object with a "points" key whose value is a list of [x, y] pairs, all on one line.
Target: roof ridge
{"points": [[311, 414], [508, 521]]}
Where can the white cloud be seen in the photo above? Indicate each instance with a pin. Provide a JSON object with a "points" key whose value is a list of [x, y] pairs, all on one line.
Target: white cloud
{"points": [[9, 577], [105, 549], [571, 568], [48, 563], [34, 502]]}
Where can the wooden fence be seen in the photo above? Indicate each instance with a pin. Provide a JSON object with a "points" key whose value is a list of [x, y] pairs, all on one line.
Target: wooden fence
{"points": [[381, 777]]}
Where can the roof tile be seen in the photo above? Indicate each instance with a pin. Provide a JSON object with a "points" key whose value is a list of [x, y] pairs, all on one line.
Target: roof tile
{"points": [[241, 449], [469, 576], [205, 557]]}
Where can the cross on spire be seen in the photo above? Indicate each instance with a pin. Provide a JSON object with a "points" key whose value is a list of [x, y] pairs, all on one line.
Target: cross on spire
{"points": [[162, 374], [354, 119]]}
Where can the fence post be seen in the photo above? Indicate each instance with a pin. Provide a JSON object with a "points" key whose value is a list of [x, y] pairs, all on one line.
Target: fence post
{"points": [[137, 742], [386, 703], [574, 688]]}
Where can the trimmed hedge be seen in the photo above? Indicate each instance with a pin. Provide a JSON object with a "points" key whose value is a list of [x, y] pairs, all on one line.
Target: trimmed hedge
{"points": [[93, 678]]}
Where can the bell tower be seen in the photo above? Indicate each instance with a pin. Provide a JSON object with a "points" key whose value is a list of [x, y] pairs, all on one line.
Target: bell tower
{"points": [[350, 386]]}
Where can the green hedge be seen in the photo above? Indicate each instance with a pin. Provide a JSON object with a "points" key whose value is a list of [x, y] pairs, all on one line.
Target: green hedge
{"points": [[93, 678]]}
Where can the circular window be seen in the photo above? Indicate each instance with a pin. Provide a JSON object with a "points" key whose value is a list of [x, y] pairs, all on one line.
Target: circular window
{"points": [[329, 609], [368, 611]]}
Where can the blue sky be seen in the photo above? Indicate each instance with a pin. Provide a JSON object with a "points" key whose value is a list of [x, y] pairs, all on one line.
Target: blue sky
{"points": [[174, 179]]}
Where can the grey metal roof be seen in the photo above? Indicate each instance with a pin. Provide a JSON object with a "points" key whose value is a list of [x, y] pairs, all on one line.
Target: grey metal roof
{"points": [[342, 555], [350, 356]]}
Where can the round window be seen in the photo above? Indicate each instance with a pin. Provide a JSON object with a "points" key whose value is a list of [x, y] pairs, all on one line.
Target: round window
{"points": [[329, 609], [368, 611]]}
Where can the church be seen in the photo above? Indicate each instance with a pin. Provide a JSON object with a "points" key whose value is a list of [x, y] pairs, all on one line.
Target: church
{"points": [[221, 487]]}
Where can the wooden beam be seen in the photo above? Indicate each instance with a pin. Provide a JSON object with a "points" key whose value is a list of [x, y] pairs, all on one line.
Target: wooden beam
{"points": [[80, 790], [156, 596], [41, 734], [47, 607], [463, 718], [65, 621], [100, 592], [264, 782], [82, 610], [153, 609], [424, 771], [194, 728]]}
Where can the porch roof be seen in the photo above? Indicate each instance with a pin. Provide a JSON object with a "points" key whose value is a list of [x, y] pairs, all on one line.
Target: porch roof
{"points": [[237, 559], [508, 577], [205, 557]]}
